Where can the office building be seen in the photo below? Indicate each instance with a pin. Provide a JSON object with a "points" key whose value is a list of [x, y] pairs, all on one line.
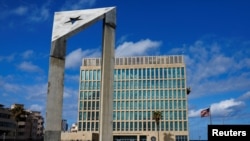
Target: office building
{"points": [[7, 124], [142, 85]]}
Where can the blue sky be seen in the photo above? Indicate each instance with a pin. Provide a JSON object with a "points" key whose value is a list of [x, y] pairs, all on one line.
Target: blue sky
{"points": [[214, 37]]}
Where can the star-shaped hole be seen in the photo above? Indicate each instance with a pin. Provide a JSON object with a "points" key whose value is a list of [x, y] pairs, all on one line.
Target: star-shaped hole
{"points": [[73, 20]]}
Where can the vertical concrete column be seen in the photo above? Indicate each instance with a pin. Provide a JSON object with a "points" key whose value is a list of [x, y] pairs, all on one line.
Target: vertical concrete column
{"points": [[55, 90], [107, 68]]}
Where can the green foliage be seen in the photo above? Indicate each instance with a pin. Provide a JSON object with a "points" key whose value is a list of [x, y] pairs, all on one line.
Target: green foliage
{"points": [[18, 113]]}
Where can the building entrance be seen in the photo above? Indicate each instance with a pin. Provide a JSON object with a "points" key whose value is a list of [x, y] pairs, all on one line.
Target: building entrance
{"points": [[125, 138]]}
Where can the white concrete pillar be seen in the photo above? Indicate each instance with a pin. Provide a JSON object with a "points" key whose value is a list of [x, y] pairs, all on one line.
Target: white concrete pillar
{"points": [[107, 69]]}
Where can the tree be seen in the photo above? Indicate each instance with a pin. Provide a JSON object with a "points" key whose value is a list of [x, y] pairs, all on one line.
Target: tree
{"points": [[18, 113], [157, 116]]}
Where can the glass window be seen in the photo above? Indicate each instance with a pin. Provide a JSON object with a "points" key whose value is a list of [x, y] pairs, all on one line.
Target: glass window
{"points": [[135, 104], [148, 94], [180, 115], [88, 126], [99, 75], [166, 104], [157, 104], [114, 116], [85, 105], [167, 126], [162, 126], [127, 125], [90, 75], [127, 115], [153, 94], [175, 115], [94, 75], [156, 73], [131, 115], [149, 126], [114, 125], [144, 105], [175, 104], [162, 104], [84, 116], [184, 115], [136, 115], [153, 126], [144, 115], [140, 115], [96, 126], [180, 126], [131, 126], [184, 104], [80, 115], [135, 124], [171, 115], [97, 116], [87, 75], [118, 115], [80, 105], [97, 105], [140, 126], [131, 105], [144, 73], [185, 126], [149, 115], [84, 126], [171, 126], [118, 105], [144, 126], [166, 115], [176, 126], [123, 115], [83, 75]]}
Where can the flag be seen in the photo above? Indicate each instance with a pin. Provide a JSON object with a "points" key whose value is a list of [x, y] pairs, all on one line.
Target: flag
{"points": [[205, 112]]}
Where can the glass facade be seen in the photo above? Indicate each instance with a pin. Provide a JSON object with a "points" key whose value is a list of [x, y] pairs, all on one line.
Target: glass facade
{"points": [[141, 85]]}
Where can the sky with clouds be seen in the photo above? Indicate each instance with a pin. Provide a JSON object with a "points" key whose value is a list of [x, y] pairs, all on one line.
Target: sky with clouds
{"points": [[214, 37]]}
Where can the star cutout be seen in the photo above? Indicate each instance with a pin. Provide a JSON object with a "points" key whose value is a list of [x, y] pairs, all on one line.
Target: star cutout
{"points": [[73, 20]]}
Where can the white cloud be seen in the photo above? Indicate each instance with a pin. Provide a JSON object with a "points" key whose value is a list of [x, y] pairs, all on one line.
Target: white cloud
{"points": [[74, 59], [29, 67], [27, 54], [77, 4], [143, 47], [21, 10], [245, 96], [220, 109], [31, 11], [7, 58], [212, 69], [36, 107], [40, 13]]}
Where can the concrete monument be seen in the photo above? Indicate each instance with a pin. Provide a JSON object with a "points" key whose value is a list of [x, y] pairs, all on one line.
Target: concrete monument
{"points": [[66, 24]]}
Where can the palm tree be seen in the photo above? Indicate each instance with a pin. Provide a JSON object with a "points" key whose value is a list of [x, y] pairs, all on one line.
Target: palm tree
{"points": [[157, 116], [18, 112]]}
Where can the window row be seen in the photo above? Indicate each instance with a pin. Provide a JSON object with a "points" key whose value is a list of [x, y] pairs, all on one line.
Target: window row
{"points": [[137, 126], [149, 104], [147, 115], [136, 84], [134, 115], [137, 94], [137, 105], [143, 84], [137, 73]]}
